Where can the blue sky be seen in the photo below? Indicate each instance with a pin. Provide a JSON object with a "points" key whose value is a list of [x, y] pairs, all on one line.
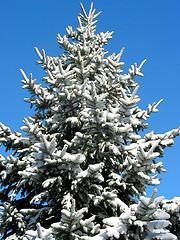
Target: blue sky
{"points": [[147, 29]]}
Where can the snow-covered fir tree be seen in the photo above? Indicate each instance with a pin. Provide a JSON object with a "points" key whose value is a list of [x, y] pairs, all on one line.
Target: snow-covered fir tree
{"points": [[80, 160]]}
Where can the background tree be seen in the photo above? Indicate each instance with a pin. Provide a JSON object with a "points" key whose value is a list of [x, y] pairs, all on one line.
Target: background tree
{"points": [[82, 160]]}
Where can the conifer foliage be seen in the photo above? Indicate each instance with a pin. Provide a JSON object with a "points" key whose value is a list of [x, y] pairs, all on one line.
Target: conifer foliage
{"points": [[80, 160]]}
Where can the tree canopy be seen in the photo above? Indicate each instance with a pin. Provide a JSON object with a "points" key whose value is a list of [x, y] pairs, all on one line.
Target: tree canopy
{"points": [[80, 162]]}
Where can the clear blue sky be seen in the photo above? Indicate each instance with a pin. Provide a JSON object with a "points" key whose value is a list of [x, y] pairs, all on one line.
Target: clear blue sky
{"points": [[147, 29]]}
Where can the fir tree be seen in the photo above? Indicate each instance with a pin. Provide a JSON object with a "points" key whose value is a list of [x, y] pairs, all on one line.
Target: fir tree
{"points": [[80, 160]]}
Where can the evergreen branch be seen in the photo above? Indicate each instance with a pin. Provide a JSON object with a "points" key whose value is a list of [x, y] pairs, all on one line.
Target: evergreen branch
{"points": [[84, 12], [120, 54]]}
